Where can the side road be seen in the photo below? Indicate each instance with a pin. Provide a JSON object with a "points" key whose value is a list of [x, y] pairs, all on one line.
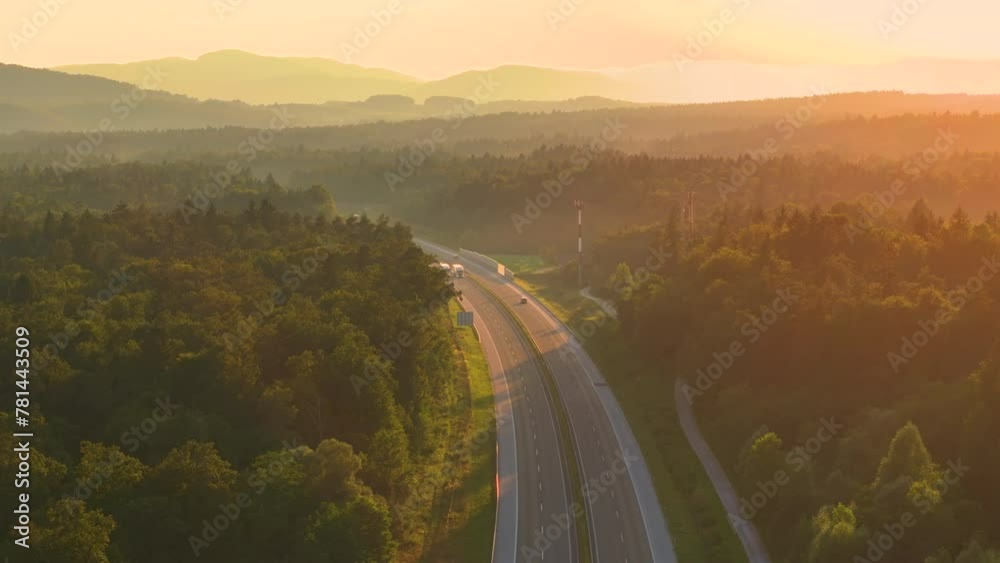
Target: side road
{"points": [[752, 544]]}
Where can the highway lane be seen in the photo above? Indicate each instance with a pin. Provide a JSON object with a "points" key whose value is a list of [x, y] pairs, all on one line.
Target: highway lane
{"points": [[505, 525], [618, 531], [624, 517], [541, 481]]}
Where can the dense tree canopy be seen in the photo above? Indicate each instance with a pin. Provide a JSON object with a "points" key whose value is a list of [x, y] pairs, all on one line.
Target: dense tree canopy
{"points": [[887, 329], [196, 379]]}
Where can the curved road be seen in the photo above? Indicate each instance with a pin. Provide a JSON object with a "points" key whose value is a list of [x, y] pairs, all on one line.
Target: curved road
{"points": [[745, 530], [624, 517], [531, 475]]}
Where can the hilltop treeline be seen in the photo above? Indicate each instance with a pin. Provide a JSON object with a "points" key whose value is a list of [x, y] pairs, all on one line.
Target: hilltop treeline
{"points": [[187, 186], [243, 386], [525, 202], [856, 124]]}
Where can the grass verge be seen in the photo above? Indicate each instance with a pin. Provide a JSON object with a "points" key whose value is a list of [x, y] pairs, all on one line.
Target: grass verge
{"points": [[521, 263], [466, 515]]}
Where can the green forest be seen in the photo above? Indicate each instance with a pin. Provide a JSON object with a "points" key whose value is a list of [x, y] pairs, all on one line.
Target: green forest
{"points": [[832, 315], [229, 386], [850, 384]]}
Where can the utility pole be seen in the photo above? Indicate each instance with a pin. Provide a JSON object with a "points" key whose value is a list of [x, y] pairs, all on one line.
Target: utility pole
{"points": [[690, 216], [579, 240]]}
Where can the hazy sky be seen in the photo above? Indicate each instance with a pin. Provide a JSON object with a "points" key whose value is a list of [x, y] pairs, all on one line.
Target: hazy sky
{"points": [[433, 38]]}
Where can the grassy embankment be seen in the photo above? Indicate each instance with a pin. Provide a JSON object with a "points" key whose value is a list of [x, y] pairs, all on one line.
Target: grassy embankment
{"points": [[464, 515], [694, 513]]}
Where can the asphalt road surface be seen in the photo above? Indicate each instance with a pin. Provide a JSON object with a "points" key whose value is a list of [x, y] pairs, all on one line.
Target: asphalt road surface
{"points": [[624, 518], [540, 485]]}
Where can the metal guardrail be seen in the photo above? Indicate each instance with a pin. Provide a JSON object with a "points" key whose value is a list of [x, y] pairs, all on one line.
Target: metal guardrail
{"points": [[487, 262]]}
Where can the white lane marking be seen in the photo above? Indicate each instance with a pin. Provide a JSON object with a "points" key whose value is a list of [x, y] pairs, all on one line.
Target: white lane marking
{"points": [[552, 421], [513, 429]]}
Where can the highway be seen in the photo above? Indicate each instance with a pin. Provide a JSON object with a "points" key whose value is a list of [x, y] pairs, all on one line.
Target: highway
{"points": [[538, 486], [625, 522]]}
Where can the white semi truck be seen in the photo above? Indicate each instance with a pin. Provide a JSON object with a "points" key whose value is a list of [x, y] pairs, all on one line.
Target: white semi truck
{"points": [[458, 271]]}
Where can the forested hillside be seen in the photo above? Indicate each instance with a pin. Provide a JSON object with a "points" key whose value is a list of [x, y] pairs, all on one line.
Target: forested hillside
{"points": [[851, 261], [470, 125], [197, 380], [189, 187], [525, 203], [33, 100], [850, 378]]}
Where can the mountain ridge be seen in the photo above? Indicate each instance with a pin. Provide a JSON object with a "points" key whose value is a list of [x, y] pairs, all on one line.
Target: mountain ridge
{"points": [[260, 79], [46, 100]]}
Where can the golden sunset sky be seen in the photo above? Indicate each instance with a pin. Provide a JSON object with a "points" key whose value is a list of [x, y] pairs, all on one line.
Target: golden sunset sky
{"points": [[435, 38]]}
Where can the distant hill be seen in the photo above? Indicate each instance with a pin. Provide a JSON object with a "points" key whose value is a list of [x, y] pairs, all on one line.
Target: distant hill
{"points": [[728, 80], [37, 88], [235, 75], [525, 83], [45, 100], [850, 124], [256, 79]]}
